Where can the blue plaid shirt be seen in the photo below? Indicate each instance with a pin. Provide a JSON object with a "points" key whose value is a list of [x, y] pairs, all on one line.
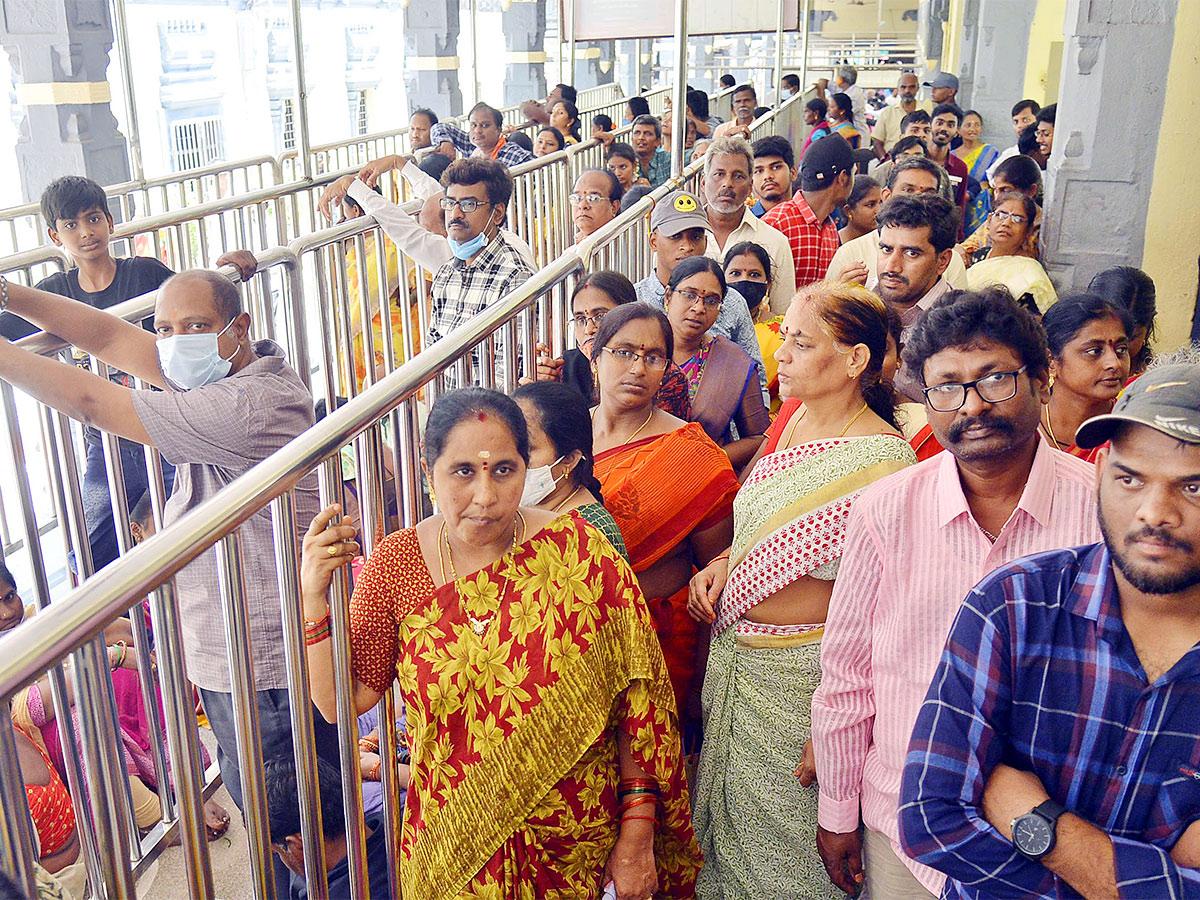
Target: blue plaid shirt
{"points": [[509, 153], [1040, 673]]}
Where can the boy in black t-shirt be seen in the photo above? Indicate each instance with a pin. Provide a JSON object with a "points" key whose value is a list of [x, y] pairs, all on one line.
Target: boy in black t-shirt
{"points": [[78, 220]]}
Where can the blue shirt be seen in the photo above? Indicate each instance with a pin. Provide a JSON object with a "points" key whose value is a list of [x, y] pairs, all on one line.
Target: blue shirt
{"points": [[733, 321], [1040, 673], [658, 169]]}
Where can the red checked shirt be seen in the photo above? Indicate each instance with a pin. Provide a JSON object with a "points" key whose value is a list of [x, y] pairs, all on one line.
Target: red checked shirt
{"points": [[813, 243]]}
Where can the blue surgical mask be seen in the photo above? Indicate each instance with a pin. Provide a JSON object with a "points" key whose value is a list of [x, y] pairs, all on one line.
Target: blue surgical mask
{"points": [[464, 250], [192, 360]]}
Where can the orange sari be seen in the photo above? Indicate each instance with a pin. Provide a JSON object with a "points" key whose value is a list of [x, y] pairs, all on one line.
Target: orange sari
{"points": [[660, 490], [513, 726]]}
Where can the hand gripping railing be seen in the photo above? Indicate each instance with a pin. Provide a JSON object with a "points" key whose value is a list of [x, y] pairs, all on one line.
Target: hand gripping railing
{"points": [[71, 628]]}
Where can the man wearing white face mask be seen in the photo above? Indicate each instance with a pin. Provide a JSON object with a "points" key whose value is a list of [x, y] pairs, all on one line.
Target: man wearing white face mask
{"points": [[227, 402], [486, 266]]}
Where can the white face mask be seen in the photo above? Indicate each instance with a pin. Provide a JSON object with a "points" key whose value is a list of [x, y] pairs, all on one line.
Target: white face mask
{"points": [[540, 483], [192, 360]]}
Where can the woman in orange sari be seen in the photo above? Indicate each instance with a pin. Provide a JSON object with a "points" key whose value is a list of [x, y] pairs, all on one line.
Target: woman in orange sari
{"points": [[667, 484], [545, 752]]}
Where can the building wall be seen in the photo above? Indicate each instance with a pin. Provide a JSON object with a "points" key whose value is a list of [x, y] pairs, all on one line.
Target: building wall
{"points": [[1043, 59], [1172, 225]]}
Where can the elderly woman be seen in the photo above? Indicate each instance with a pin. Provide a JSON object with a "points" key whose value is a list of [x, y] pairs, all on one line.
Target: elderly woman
{"points": [[1004, 262], [723, 381], [1088, 339], [540, 716], [766, 597], [560, 476], [667, 484]]}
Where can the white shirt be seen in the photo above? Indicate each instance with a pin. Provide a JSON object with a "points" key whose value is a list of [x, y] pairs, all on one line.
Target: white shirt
{"points": [[429, 250], [783, 267]]}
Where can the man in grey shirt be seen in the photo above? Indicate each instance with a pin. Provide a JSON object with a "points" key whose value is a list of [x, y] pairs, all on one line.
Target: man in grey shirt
{"points": [[227, 403], [679, 228]]}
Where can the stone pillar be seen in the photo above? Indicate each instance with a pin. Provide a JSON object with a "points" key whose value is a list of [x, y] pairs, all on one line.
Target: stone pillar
{"points": [[525, 40], [1100, 171], [59, 51], [594, 63], [992, 75], [930, 16], [431, 56]]}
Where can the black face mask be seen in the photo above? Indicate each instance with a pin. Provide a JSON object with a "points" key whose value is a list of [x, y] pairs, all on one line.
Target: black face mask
{"points": [[754, 292]]}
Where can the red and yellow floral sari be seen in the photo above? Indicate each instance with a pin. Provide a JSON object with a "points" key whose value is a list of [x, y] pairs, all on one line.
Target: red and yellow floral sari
{"points": [[660, 490], [513, 731]]}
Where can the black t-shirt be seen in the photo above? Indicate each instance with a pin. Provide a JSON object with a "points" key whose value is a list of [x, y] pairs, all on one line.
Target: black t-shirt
{"points": [[136, 275]]}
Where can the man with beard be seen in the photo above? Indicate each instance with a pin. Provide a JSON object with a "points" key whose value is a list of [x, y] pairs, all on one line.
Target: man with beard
{"points": [[888, 124], [1055, 753], [943, 129], [916, 241], [915, 543], [726, 185], [774, 172]]}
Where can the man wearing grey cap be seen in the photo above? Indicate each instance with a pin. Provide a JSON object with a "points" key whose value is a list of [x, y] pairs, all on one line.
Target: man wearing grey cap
{"points": [[943, 87], [679, 229], [1057, 753]]}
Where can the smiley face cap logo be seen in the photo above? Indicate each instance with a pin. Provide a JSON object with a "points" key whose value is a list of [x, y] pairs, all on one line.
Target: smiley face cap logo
{"points": [[685, 204]]}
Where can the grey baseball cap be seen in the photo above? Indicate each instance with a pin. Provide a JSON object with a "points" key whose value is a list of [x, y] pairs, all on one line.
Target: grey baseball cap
{"points": [[1166, 399], [677, 212], [942, 80]]}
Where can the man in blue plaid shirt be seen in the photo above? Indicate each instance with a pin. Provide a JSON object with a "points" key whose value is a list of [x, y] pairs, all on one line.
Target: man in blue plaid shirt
{"points": [[485, 140], [1057, 753], [486, 266]]}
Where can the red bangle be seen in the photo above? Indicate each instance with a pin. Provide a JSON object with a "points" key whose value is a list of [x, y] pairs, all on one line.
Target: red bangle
{"points": [[316, 637], [640, 818], [373, 773]]}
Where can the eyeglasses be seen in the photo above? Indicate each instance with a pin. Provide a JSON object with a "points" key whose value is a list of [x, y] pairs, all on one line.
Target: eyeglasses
{"points": [[582, 321], [711, 301], [466, 204], [629, 357], [592, 199], [1016, 218], [994, 388]]}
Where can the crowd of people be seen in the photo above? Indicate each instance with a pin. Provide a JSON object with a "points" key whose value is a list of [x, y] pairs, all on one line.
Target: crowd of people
{"points": [[838, 554]]}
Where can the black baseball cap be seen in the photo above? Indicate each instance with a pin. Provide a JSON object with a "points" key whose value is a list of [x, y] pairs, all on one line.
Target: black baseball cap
{"points": [[1167, 399], [824, 159]]}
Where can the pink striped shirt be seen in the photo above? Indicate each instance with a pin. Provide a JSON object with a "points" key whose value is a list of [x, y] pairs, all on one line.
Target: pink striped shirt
{"points": [[912, 553]]}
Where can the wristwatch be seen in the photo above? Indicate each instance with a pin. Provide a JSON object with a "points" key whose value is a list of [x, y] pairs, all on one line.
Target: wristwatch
{"points": [[1033, 833]]}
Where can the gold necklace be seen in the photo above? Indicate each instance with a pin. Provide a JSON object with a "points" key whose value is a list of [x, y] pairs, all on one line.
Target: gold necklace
{"points": [[566, 500], [479, 626], [1049, 429], [636, 431], [804, 412]]}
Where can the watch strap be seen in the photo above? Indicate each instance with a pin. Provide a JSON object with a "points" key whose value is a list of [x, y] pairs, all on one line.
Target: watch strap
{"points": [[1050, 810]]}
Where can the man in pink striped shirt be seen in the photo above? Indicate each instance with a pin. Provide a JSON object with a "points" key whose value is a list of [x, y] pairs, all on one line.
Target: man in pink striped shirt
{"points": [[916, 543]]}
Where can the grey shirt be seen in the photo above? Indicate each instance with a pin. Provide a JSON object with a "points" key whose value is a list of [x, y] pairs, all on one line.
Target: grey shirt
{"points": [[213, 434], [733, 321]]}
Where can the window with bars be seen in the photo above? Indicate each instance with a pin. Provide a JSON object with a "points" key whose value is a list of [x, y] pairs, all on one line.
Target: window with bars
{"points": [[289, 124], [359, 113], [196, 143]]}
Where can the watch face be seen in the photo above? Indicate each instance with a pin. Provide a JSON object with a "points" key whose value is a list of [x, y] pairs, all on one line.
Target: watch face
{"points": [[1032, 835]]}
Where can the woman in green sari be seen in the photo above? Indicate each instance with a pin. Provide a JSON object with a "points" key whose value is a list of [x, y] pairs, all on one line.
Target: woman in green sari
{"points": [[754, 808]]}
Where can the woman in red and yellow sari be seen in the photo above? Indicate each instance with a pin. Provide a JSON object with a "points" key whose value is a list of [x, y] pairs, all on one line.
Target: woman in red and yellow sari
{"points": [[667, 484], [546, 760]]}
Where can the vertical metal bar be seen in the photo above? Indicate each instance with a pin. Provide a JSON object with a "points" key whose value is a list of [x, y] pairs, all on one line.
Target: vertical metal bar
{"points": [[183, 739], [679, 95], [570, 76], [779, 54], [283, 521], [347, 715], [16, 826], [805, 15], [637, 70], [125, 55], [474, 8], [108, 781], [303, 148], [245, 713]]}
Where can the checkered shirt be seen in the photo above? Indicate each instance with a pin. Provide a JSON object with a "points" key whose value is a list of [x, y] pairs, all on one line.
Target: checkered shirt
{"points": [[509, 153], [813, 243]]}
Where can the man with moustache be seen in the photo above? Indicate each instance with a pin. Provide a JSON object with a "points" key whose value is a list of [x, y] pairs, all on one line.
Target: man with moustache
{"points": [[915, 544], [726, 185], [888, 124], [1055, 753], [943, 129], [916, 247]]}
